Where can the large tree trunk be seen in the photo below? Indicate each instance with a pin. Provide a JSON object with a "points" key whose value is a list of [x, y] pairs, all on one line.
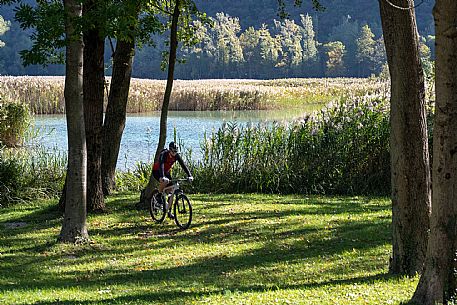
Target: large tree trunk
{"points": [[410, 172], [116, 111], [93, 110], [147, 193], [74, 222], [438, 282]]}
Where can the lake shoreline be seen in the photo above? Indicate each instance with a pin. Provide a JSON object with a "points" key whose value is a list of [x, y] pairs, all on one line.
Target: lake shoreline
{"points": [[141, 132]]}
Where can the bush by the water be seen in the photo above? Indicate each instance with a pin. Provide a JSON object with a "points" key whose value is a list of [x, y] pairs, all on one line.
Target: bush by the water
{"points": [[30, 174], [343, 149], [14, 122]]}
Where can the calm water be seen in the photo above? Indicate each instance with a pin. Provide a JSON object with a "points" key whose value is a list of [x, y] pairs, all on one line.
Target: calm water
{"points": [[141, 131]]}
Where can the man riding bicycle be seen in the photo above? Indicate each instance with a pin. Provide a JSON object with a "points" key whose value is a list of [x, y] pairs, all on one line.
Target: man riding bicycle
{"points": [[161, 169]]}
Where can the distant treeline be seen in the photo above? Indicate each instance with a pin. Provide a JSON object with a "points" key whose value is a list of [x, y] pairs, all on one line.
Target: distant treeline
{"points": [[286, 49], [247, 42]]}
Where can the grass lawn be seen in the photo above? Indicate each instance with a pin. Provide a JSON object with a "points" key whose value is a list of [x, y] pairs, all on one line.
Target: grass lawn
{"points": [[240, 249]]}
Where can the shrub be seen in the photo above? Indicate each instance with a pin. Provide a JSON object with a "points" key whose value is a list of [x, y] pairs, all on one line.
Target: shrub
{"points": [[133, 180], [30, 174], [10, 180], [14, 122]]}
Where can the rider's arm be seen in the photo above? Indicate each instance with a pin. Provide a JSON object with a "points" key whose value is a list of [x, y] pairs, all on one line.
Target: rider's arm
{"points": [[183, 165], [162, 158]]}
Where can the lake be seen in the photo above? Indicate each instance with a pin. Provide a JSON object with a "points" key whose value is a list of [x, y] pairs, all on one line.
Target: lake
{"points": [[141, 131]]}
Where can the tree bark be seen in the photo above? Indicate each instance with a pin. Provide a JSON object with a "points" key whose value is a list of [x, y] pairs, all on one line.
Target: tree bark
{"points": [[74, 222], [410, 169], [62, 198], [115, 115], [438, 282], [93, 85]]}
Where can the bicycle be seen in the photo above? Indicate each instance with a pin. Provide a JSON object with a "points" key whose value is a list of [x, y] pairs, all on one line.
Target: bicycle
{"points": [[182, 208]]}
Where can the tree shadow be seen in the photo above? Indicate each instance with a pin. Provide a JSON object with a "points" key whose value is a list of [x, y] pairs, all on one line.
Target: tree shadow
{"points": [[279, 244], [205, 269], [175, 295]]}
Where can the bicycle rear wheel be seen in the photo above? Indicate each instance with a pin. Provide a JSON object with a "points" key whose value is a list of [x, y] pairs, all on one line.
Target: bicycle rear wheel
{"points": [[183, 211], [157, 207]]}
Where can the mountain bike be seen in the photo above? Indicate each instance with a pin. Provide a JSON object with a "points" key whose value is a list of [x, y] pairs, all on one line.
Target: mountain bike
{"points": [[172, 194]]}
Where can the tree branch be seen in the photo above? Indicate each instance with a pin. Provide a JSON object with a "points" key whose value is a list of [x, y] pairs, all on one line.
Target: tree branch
{"points": [[161, 9], [404, 8]]}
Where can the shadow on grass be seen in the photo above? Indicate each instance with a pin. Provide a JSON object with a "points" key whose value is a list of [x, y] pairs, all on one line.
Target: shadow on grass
{"points": [[173, 296], [207, 269], [278, 244], [36, 214], [312, 206]]}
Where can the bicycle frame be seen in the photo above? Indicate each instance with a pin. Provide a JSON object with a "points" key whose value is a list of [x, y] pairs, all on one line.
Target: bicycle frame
{"points": [[173, 190]]}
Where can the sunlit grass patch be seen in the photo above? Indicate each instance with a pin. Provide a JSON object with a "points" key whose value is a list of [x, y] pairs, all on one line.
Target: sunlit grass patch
{"points": [[240, 249]]}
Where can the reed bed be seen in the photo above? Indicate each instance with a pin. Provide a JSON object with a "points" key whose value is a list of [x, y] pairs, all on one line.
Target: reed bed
{"points": [[342, 149], [44, 94]]}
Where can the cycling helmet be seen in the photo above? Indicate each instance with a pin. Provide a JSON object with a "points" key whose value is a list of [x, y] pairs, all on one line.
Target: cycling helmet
{"points": [[173, 147]]}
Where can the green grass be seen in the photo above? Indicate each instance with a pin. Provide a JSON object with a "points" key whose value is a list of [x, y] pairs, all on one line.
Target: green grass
{"points": [[241, 249]]}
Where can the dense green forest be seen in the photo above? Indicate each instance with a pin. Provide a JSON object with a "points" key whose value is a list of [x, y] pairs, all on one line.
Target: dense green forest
{"points": [[249, 40]]}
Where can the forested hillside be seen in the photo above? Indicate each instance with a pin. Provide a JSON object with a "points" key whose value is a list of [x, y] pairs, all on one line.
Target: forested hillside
{"points": [[249, 40], [256, 12]]}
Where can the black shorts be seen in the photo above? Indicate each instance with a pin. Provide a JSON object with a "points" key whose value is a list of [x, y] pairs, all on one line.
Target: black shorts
{"points": [[156, 175]]}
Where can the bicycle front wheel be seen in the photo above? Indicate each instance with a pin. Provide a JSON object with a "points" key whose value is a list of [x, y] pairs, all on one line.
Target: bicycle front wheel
{"points": [[183, 211], [157, 207]]}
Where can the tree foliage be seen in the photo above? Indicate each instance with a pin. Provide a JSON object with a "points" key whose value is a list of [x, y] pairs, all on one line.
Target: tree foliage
{"points": [[335, 51], [4, 26]]}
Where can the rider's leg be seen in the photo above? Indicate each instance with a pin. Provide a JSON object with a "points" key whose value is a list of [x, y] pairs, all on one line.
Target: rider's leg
{"points": [[170, 201], [163, 185]]}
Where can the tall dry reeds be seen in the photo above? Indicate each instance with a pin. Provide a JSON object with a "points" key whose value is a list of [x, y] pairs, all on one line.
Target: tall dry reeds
{"points": [[44, 94]]}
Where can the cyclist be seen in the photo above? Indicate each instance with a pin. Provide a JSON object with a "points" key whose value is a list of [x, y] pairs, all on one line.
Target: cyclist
{"points": [[161, 169]]}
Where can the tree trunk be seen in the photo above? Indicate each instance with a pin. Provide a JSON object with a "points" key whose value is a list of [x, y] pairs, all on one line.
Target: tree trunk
{"points": [[170, 77], [74, 222], [147, 193], [410, 172], [438, 282], [93, 110], [115, 115], [62, 198]]}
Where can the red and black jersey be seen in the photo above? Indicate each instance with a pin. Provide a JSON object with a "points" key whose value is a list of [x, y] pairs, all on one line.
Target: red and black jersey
{"points": [[166, 161]]}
